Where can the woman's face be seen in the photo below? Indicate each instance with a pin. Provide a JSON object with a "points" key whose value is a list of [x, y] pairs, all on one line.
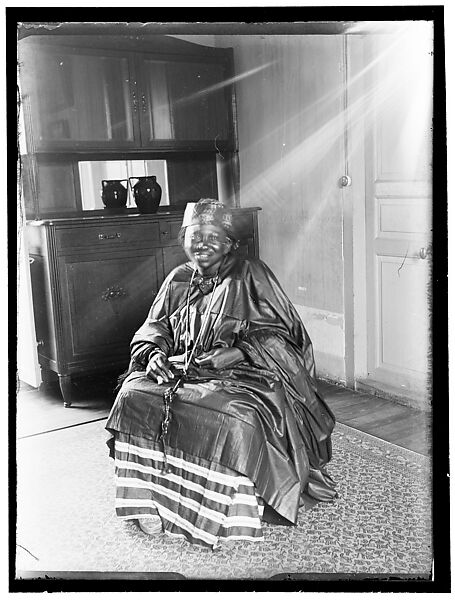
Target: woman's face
{"points": [[205, 246]]}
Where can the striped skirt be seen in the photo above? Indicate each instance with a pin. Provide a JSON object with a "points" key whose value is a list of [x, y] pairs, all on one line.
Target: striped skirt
{"points": [[200, 500]]}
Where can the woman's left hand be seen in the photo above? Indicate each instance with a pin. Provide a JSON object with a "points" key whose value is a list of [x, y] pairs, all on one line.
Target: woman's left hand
{"points": [[220, 358]]}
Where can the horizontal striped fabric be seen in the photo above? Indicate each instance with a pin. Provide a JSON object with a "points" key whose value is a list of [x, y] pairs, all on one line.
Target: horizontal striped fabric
{"points": [[200, 500]]}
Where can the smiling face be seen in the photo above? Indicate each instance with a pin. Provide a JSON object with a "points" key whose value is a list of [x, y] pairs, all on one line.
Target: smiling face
{"points": [[205, 246]]}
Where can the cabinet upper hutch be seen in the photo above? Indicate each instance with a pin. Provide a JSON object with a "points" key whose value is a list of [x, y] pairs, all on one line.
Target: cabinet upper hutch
{"points": [[105, 97], [123, 93]]}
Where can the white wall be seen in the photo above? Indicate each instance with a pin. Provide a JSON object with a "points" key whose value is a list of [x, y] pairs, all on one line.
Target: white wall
{"points": [[291, 152]]}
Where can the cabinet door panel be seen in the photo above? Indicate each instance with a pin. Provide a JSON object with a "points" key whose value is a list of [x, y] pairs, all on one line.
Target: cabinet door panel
{"points": [[183, 101], [198, 103], [44, 322], [79, 96], [173, 256], [50, 186], [155, 112], [247, 248], [244, 224], [108, 299]]}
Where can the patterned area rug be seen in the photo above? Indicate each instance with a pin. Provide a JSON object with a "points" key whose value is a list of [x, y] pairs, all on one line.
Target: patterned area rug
{"points": [[381, 522]]}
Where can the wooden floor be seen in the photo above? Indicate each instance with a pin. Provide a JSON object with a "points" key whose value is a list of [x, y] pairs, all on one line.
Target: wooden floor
{"points": [[40, 411], [388, 420]]}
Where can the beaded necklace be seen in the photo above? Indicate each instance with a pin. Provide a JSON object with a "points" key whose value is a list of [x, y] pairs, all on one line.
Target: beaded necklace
{"points": [[170, 393], [189, 357]]}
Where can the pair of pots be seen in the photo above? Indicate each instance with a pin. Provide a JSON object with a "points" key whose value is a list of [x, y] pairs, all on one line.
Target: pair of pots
{"points": [[146, 191]]}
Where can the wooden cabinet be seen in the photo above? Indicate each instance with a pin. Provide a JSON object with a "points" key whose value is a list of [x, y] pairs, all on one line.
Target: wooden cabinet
{"points": [[107, 97], [94, 280], [80, 97]]}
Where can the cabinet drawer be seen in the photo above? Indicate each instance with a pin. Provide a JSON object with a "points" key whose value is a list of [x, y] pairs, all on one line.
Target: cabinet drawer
{"points": [[139, 235], [169, 232]]}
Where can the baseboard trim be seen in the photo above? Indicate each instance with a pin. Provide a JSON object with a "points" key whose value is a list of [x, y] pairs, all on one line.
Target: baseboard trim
{"points": [[330, 366], [382, 390]]}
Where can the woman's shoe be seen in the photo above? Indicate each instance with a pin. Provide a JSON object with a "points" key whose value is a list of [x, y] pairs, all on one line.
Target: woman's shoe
{"points": [[151, 525]]}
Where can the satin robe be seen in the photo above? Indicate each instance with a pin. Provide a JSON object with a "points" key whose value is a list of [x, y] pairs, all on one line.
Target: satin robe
{"points": [[263, 417]]}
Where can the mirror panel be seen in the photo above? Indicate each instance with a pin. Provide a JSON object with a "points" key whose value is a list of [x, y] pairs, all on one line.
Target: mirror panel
{"points": [[93, 172]]}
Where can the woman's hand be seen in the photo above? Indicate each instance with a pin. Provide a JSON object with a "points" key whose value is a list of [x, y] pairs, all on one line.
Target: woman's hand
{"points": [[220, 358], [159, 368]]}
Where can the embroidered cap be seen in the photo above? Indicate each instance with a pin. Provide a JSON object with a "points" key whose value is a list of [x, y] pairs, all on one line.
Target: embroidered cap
{"points": [[209, 212]]}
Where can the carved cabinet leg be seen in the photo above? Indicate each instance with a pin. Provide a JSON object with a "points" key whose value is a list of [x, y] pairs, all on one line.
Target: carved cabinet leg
{"points": [[66, 389]]}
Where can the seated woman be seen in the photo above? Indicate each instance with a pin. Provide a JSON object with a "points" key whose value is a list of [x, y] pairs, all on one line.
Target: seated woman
{"points": [[219, 416]]}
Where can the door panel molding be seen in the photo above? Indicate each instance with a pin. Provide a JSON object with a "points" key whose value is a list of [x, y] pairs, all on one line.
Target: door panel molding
{"points": [[402, 316], [400, 217]]}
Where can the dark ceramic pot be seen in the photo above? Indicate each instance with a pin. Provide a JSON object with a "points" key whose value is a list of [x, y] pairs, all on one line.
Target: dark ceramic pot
{"points": [[147, 193], [114, 194]]}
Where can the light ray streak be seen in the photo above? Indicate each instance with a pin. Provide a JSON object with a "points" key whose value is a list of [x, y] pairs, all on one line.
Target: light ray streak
{"points": [[369, 100], [334, 95], [323, 139], [314, 148], [224, 83]]}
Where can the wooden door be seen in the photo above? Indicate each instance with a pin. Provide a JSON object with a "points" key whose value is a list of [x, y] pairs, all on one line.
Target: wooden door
{"points": [[78, 98], [183, 101], [107, 297], [398, 212]]}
